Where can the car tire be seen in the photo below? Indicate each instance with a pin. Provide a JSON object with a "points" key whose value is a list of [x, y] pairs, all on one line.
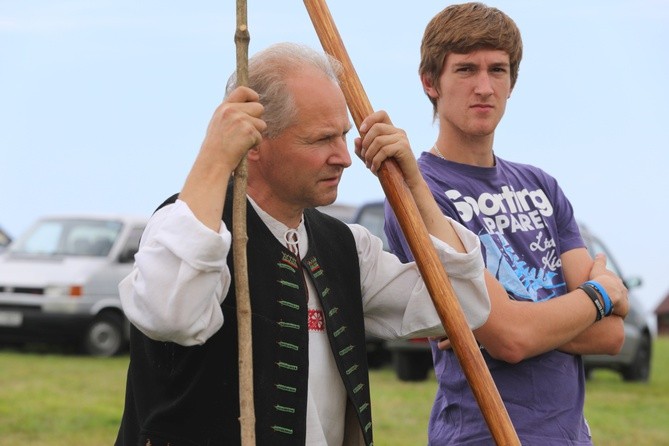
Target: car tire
{"points": [[639, 369], [104, 336], [412, 366]]}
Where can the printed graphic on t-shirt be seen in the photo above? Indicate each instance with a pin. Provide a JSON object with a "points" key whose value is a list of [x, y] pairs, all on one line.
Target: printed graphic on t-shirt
{"points": [[526, 272]]}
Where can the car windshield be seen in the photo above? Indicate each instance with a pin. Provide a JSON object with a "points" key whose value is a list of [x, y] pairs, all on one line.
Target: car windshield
{"points": [[69, 237]]}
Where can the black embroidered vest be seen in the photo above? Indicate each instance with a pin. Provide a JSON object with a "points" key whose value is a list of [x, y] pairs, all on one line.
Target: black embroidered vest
{"points": [[190, 395]]}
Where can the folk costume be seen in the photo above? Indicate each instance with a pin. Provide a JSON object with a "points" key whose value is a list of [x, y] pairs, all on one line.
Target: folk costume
{"points": [[311, 306]]}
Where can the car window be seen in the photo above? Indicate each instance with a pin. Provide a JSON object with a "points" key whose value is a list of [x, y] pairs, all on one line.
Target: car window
{"points": [[131, 245], [70, 237]]}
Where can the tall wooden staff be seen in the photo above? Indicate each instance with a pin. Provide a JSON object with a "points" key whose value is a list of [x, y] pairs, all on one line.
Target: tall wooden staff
{"points": [[247, 418], [404, 206]]}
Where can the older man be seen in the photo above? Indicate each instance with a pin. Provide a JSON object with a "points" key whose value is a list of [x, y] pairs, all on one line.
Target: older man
{"points": [[316, 284]]}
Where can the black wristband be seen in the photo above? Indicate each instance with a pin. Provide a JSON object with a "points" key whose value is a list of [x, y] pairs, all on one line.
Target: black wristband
{"points": [[593, 295]]}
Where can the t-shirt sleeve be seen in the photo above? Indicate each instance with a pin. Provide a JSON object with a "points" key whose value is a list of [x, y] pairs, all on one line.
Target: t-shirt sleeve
{"points": [[569, 235]]}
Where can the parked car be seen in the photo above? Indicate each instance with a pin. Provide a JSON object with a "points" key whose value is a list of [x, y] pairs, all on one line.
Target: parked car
{"points": [[634, 360], [412, 359], [59, 282]]}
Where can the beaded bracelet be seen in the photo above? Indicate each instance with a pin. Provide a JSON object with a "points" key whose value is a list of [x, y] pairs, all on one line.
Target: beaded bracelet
{"points": [[608, 304], [592, 294]]}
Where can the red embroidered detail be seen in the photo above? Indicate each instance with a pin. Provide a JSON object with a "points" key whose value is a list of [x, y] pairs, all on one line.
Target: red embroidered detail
{"points": [[316, 320], [289, 260], [313, 264]]}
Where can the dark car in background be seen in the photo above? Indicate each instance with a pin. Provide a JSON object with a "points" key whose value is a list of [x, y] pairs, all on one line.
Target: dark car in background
{"points": [[412, 358]]}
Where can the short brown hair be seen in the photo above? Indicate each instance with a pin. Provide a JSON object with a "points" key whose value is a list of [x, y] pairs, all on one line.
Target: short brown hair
{"points": [[464, 28]]}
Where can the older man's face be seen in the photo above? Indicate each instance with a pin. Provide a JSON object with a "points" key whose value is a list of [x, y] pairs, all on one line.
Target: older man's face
{"points": [[303, 165]]}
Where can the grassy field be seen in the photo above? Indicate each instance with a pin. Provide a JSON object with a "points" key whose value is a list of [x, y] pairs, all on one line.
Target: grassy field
{"points": [[53, 399]]}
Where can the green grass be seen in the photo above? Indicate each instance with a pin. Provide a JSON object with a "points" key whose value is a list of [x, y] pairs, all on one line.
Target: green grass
{"points": [[52, 399], [619, 413]]}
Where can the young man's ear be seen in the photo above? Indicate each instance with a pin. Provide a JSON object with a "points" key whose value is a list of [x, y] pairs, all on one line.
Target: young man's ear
{"points": [[428, 86]]}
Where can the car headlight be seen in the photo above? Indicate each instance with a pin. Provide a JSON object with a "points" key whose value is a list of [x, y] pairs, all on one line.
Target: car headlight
{"points": [[63, 291]]}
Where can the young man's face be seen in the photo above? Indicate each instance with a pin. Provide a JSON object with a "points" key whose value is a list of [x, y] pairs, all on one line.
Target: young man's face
{"points": [[472, 92]]}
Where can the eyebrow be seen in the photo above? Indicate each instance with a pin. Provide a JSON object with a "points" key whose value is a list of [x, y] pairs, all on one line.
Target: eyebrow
{"points": [[472, 64]]}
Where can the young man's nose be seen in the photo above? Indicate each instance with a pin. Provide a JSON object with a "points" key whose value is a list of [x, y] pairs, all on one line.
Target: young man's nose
{"points": [[483, 84]]}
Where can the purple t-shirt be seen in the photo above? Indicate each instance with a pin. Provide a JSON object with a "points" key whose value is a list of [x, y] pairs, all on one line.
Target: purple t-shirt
{"points": [[524, 222]]}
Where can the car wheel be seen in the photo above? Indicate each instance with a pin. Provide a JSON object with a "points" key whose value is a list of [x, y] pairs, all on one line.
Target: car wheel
{"points": [[639, 369], [411, 366], [104, 336]]}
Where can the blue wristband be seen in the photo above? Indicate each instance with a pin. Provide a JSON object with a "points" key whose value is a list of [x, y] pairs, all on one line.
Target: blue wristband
{"points": [[608, 305]]}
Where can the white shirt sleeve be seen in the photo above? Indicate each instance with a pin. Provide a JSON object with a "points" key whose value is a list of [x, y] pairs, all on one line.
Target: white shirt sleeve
{"points": [[396, 301], [180, 278]]}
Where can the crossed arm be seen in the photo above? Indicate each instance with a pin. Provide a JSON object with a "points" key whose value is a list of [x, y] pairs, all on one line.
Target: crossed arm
{"points": [[518, 330]]}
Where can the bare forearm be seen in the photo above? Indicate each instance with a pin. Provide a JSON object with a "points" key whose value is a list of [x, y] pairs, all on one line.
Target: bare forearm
{"points": [[518, 330], [204, 191], [603, 338]]}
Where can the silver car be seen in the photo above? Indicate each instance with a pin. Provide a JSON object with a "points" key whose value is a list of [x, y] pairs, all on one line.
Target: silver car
{"points": [[59, 282]]}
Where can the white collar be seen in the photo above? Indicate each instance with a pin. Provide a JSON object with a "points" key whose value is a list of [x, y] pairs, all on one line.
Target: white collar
{"points": [[280, 230]]}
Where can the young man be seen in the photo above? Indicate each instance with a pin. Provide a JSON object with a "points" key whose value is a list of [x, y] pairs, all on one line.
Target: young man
{"points": [[316, 284], [541, 319]]}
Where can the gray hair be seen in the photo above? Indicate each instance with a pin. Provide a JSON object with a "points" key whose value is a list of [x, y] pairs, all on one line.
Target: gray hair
{"points": [[268, 71]]}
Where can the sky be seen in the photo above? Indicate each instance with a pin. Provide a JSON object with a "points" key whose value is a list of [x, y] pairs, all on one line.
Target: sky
{"points": [[103, 104]]}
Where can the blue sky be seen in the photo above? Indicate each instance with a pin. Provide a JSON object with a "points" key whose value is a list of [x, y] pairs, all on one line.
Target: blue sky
{"points": [[103, 104]]}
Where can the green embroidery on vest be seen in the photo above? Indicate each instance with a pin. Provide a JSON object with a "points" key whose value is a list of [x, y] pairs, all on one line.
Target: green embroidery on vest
{"points": [[283, 324], [367, 426], [292, 305], [334, 311], [358, 388], [363, 407], [285, 365], [288, 267], [288, 345], [286, 388], [352, 369], [346, 350], [283, 430], [284, 409], [326, 291], [339, 331], [289, 284]]}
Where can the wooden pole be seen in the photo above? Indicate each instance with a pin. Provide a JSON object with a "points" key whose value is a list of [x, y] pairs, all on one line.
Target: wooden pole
{"points": [[247, 418], [406, 211]]}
